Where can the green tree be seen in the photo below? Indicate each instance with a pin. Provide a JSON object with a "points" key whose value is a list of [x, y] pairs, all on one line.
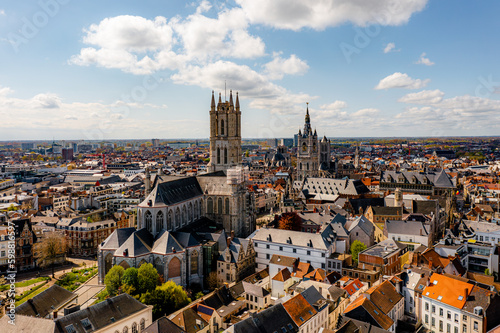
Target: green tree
{"points": [[148, 278], [166, 299], [130, 277], [113, 280], [357, 247]]}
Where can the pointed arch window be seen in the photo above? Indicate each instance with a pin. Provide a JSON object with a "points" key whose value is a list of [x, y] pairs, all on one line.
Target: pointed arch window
{"points": [[177, 217], [222, 127], [210, 206], [159, 221], [148, 218], [218, 155], [226, 206], [219, 206], [169, 220], [225, 155]]}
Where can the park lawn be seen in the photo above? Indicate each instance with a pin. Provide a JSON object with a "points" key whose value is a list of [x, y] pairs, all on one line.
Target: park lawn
{"points": [[33, 294], [76, 278], [25, 283]]}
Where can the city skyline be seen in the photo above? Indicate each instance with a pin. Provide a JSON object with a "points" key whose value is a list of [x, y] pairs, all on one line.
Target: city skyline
{"points": [[130, 71]]}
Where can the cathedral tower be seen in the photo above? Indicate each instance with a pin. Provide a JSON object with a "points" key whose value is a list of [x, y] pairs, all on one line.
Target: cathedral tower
{"points": [[225, 133], [308, 152]]}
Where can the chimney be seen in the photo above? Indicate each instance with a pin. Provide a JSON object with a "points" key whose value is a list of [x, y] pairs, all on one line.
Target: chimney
{"points": [[54, 316], [232, 234], [466, 293], [228, 241]]}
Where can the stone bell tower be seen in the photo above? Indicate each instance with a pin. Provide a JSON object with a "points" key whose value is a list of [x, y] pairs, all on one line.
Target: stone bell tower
{"points": [[225, 133]]}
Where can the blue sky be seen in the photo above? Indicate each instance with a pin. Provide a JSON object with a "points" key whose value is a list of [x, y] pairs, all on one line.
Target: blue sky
{"points": [[138, 70]]}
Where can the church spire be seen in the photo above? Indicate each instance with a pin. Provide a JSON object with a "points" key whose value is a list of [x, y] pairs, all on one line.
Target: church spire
{"points": [[237, 102], [213, 101], [307, 124], [231, 98], [220, 98]]}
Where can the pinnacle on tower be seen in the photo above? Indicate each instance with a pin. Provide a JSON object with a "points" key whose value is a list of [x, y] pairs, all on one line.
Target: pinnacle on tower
{"points": [[213, 100], [220, 98], [231, 98], [237, 102]]}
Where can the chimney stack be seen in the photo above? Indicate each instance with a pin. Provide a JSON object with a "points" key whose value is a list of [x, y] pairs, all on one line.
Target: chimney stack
{"points": [[228, 241]]}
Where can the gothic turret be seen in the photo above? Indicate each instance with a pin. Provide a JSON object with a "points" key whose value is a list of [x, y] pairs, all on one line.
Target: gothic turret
{"points": [[231, 99], [212, 106], [237, 102]]}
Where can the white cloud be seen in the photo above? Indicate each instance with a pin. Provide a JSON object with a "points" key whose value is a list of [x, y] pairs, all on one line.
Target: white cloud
{"points": [[401, 80], [368, 112], [390, 47], [2, 12], [130, 33], [423, 97], [140, 46], [278, 67], [320, 14], [249, 83], [203, 7], [424, 61], [47, 101]]}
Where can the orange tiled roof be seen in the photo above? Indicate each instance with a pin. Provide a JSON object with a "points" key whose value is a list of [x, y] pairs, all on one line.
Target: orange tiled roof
{"points": [[282, 275], [299, 309], [353, 287], [382, 319], [447, 290], [385, 296], [302, 269], [318, 274]]}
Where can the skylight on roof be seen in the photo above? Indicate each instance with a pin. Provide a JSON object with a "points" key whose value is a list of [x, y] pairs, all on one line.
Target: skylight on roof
{"points": [[376, 312], [427, 294], [301, 319], [460, 297], [440, 297], [435, 282]]}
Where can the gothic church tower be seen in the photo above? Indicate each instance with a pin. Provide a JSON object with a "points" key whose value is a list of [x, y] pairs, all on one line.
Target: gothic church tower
{"points": [[225, 134], [307, 151]]}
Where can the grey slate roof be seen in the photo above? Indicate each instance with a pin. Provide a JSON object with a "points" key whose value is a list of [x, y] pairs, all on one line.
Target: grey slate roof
{"points": [[314, 298], [255, 290], [138, 244], [172, 191], [363, 223], [329, 186], [185, 239], [270, 320], [117, 238], [101, 314], [166, 243], [413, 228], [46, 302], [438, 179]]}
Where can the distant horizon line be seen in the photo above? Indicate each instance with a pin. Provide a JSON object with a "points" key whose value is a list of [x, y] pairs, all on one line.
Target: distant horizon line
{"points": [[260, 139]]}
